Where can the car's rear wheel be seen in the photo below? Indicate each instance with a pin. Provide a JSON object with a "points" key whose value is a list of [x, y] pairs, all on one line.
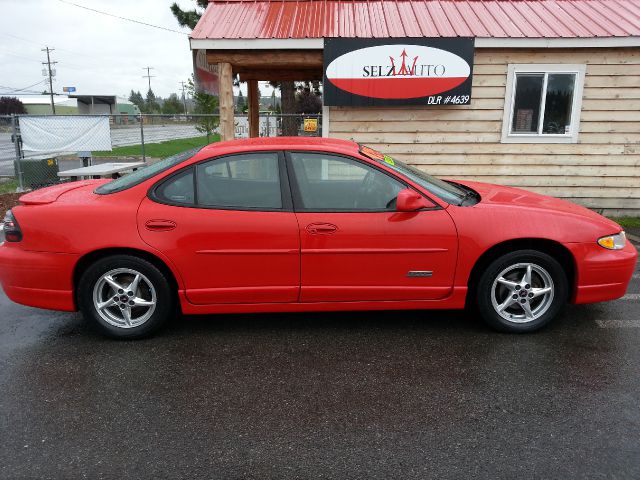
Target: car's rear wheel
{"points": [[522, 291], [125, 296]]}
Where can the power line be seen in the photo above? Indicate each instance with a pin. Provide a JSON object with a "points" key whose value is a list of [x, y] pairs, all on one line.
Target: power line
{"points": [[23, 88], [24, 94], [123, 18], [20, 38], [40, 45], [72, 66], [4, 52]]}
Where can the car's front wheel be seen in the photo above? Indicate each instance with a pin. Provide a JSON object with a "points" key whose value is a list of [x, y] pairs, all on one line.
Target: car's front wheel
{"points": [[522, 291], [125, 296]]}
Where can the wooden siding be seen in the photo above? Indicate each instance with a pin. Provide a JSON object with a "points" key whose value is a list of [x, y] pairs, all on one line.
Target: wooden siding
{"points": [[601, 171]]}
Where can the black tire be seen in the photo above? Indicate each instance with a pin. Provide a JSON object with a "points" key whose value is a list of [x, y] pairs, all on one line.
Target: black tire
{"points": [[548, 305], [153, 285]]}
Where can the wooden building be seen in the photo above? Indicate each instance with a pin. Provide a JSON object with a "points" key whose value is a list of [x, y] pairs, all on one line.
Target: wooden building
{"points": [[554, 102]]}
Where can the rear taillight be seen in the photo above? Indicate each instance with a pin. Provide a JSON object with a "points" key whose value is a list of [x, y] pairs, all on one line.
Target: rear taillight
{"points": [[12, 232]]}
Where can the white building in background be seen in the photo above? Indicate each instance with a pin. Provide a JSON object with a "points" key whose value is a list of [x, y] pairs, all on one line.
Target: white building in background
{"points": [[79, 105], [41, 104]]}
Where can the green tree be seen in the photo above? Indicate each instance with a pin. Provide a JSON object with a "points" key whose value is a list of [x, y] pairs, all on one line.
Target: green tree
{"points": [[10, 105], [241, 104], [308, 99], [206, 105], [189, 18], [137, 99], [151, 103], [288, 106], [172, 105], [273, 105]]}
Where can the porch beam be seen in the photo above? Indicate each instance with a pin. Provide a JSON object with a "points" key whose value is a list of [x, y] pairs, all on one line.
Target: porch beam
{"points": [[268, 59], [254, 107], [225, 74], [274, 75]]}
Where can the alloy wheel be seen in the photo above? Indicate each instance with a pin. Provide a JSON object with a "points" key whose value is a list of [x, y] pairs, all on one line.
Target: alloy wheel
{"points": [[124, 298], [522, 293]]}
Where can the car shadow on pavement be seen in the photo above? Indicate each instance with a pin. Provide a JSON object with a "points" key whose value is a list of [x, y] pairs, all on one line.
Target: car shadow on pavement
{"points": [[410, 320], [441, 322]]}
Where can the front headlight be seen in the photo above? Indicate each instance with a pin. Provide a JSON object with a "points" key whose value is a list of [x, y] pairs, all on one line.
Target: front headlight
{"points": [[613, 242]]}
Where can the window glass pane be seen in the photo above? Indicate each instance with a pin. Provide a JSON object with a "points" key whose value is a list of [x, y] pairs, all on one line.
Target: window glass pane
{"points": [[244, 181], [557, 109], [217, 169], [526, 104], [178, 189], [329, 183]]}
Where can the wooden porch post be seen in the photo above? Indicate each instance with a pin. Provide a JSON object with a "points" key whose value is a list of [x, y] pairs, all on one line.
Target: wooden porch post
{"points": [[254, 108], [227, 127]]}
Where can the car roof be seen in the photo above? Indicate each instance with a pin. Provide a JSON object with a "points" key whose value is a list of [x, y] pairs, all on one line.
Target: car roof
{"points": [[283, 143]]}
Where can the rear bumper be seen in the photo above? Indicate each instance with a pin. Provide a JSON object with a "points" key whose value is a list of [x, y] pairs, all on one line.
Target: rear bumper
{"points": [[38, 279], [602, 274]]}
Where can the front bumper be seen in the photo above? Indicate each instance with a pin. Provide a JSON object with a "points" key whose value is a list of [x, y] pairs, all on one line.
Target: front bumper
{"points": [[602, 274], [38, 279]]}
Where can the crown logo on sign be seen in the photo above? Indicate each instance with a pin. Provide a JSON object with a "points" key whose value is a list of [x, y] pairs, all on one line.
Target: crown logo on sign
{"points": [[404, 70]]}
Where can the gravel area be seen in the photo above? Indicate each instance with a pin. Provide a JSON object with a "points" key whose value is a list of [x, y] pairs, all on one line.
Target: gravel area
{"points": [[8, 200]]}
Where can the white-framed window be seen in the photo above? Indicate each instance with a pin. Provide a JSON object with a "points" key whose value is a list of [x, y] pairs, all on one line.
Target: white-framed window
{"points": [[543, 103]]}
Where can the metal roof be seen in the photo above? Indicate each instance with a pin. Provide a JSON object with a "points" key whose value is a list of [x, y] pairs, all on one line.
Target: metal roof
{"points": [[285, 19]]}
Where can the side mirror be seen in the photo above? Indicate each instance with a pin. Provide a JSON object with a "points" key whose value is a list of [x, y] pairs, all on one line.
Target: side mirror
{"points": [[409, 201]]}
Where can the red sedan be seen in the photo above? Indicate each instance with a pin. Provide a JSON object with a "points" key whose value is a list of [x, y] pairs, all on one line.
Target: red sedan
{"points": [[288, 224]]}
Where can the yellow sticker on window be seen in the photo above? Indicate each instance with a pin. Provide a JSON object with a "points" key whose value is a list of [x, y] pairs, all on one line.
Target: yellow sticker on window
{"points": [[389, 160]]}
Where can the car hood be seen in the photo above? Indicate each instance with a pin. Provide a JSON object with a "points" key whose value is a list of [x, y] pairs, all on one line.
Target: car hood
{"points": [[500, 195]]}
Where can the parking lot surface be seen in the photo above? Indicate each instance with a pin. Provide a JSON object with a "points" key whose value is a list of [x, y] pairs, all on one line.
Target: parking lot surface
{"points": [[336, 395]]}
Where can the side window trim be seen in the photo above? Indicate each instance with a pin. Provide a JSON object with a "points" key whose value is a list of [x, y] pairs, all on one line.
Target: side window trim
{"points": [[285, 190], [295, 187]]}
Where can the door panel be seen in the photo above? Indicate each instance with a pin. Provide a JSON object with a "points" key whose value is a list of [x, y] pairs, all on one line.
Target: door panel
{"points": [[226, 227], [378, 256], [227, 256], [354, 246]]}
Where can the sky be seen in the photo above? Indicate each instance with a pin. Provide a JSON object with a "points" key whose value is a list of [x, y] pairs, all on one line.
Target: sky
{"points": [[96, 53]]}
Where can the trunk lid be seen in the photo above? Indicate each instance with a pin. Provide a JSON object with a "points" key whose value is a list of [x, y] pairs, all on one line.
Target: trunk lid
{"points": [[51, 194]]}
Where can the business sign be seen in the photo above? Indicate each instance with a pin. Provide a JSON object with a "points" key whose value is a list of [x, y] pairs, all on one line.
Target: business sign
{"points": [[310, 124], [68, 89], [397, 71], [206, 74]]}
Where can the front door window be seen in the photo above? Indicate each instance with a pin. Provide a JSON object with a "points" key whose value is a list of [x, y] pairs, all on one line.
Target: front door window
{"points": [[331, 183]]}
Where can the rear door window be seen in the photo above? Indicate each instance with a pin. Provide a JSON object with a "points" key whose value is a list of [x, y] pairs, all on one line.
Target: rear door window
{"points": [[246, 181]]}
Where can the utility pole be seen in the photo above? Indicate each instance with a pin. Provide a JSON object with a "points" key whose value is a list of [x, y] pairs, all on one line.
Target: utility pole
{"points": [[148, 75], [184, 98], [48, 64]]}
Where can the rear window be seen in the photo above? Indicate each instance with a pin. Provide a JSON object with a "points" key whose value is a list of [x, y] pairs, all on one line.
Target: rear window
{"points": [[145, 173]]}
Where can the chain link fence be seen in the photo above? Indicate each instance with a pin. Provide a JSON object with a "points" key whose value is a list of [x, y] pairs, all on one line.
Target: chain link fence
{"points": [[126, 139]]}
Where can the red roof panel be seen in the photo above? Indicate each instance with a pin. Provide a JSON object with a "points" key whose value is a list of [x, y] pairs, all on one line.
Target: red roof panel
{"points": [[251, 19]]}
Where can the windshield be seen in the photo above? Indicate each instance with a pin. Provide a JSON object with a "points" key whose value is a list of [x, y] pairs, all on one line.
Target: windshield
{"points": [[145, 173], [447, 191]]}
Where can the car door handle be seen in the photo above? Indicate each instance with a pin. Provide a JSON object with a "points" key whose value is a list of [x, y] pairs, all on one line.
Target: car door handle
{"points": [[321, 228], [160, 225]]}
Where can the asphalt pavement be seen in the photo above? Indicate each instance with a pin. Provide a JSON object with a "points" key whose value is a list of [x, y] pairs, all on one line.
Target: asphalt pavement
{"points": [[340, 395]]}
